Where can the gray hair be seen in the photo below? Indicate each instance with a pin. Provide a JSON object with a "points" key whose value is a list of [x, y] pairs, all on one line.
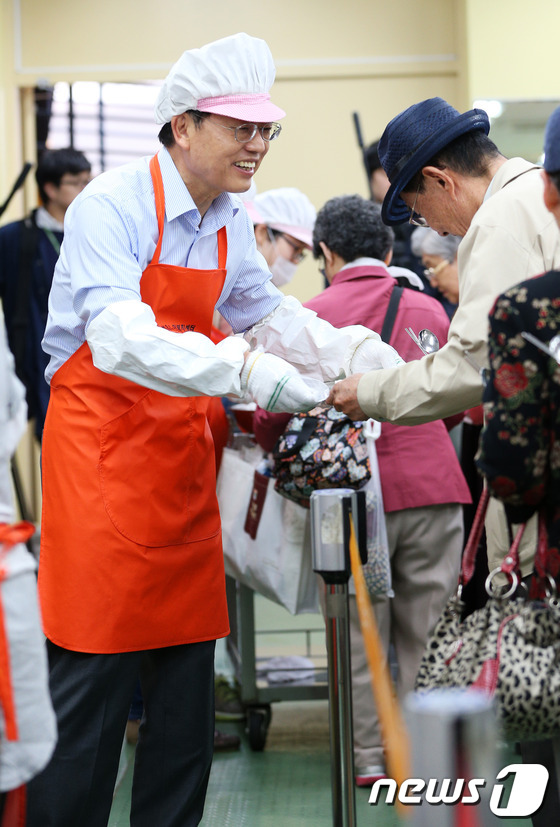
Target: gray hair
{"points": [[425, 241]]}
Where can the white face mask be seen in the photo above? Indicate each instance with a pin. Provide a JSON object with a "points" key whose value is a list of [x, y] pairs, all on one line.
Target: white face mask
{"points": [[282, 271]]}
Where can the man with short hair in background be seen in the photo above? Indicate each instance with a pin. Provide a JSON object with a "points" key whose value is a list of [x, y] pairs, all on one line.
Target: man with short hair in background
{"points": [[29, 251]]}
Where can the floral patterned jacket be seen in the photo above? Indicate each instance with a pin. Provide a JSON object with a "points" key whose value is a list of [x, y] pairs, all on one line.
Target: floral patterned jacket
{"points": [[519, 450]]}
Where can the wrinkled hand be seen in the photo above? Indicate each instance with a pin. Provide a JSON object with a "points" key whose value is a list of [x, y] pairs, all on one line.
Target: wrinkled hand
{"points": [[275, 385], [344, 397], [373, 354]]}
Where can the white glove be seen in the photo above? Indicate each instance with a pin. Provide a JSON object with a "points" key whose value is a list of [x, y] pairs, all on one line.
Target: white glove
{"points": [[372, 354], [275, 385]]}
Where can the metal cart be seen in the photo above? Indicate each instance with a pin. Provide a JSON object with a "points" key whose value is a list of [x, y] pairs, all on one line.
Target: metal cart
{"points": [[256, 694]]}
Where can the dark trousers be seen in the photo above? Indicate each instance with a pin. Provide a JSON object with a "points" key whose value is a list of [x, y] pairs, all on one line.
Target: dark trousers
{"points": [[91, 696]]}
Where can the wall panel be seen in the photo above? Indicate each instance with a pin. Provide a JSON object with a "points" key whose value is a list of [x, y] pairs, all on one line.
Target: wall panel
{"points": [[513, 49], [332, 59], [125, 39]]}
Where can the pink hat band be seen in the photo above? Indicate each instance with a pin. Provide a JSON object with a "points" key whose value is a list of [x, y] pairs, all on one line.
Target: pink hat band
{"points": [[256, 108], [302, 234]]}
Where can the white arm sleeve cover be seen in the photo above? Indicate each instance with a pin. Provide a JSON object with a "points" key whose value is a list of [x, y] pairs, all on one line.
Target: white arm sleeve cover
{"points": [[125, 340], [309, 343]]}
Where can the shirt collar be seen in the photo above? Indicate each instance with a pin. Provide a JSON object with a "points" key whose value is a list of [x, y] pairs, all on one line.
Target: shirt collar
{"points": [[363, 267], [364, 261], [510, 169], [46, 221], [178, 200]]}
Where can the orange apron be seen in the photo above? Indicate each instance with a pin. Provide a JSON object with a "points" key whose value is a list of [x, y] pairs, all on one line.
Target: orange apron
{"points": [[131, 549]]}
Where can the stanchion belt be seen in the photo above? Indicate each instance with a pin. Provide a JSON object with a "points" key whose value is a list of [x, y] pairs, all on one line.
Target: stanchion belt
{"points": [[395, 737]]}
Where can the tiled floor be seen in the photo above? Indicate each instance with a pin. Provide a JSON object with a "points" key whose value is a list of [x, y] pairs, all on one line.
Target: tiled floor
{"points": [[289, 782], [286, 784]]}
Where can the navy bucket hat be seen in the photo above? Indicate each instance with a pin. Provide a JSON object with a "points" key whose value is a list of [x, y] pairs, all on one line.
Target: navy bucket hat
{"points": [[415, 136]]}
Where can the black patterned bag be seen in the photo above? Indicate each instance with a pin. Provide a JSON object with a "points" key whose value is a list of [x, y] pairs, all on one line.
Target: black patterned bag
{"points": [[509, 649], [320, 449]]}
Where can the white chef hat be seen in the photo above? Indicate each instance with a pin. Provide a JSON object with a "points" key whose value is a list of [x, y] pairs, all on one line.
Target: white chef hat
{"points": [[285, 209], [231, 76]]}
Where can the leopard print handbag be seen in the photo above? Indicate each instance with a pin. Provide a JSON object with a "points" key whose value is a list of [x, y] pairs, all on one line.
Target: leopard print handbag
{"points": [[509, 649]]}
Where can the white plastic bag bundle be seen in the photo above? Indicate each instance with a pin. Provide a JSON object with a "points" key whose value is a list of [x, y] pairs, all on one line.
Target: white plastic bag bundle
{"points": [[277, 563], [377, 570]]}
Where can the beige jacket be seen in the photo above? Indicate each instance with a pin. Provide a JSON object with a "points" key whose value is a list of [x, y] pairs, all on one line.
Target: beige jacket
{"points": [[512, 237]]}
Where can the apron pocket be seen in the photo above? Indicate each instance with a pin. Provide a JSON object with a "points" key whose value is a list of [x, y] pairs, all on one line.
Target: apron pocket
{"points": [[156, 471]]}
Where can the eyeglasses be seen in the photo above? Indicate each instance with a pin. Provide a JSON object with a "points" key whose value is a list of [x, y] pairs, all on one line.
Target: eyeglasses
{"points": [[416, 218], [298, 255], [245, 132], [432, 272]]}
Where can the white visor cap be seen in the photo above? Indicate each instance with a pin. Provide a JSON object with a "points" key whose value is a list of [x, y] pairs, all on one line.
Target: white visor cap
{"points": [[285, 209], [231, 76]]}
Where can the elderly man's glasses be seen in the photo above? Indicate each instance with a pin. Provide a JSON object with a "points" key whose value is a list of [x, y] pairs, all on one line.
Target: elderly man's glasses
{"points": [[245, 132], [416, 218]]}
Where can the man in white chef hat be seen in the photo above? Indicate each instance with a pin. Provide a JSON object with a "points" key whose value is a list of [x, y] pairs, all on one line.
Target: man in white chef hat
{"points": [[131, 579]]}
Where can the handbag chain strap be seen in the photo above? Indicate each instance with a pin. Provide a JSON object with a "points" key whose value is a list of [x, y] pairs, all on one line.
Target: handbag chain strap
{"points": [[469, 553], [509, 565], [544, 579], [541, 557]]}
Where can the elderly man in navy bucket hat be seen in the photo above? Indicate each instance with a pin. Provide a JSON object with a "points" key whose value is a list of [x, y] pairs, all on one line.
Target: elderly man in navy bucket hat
{"points": [[412, 139], [446, 173]]}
